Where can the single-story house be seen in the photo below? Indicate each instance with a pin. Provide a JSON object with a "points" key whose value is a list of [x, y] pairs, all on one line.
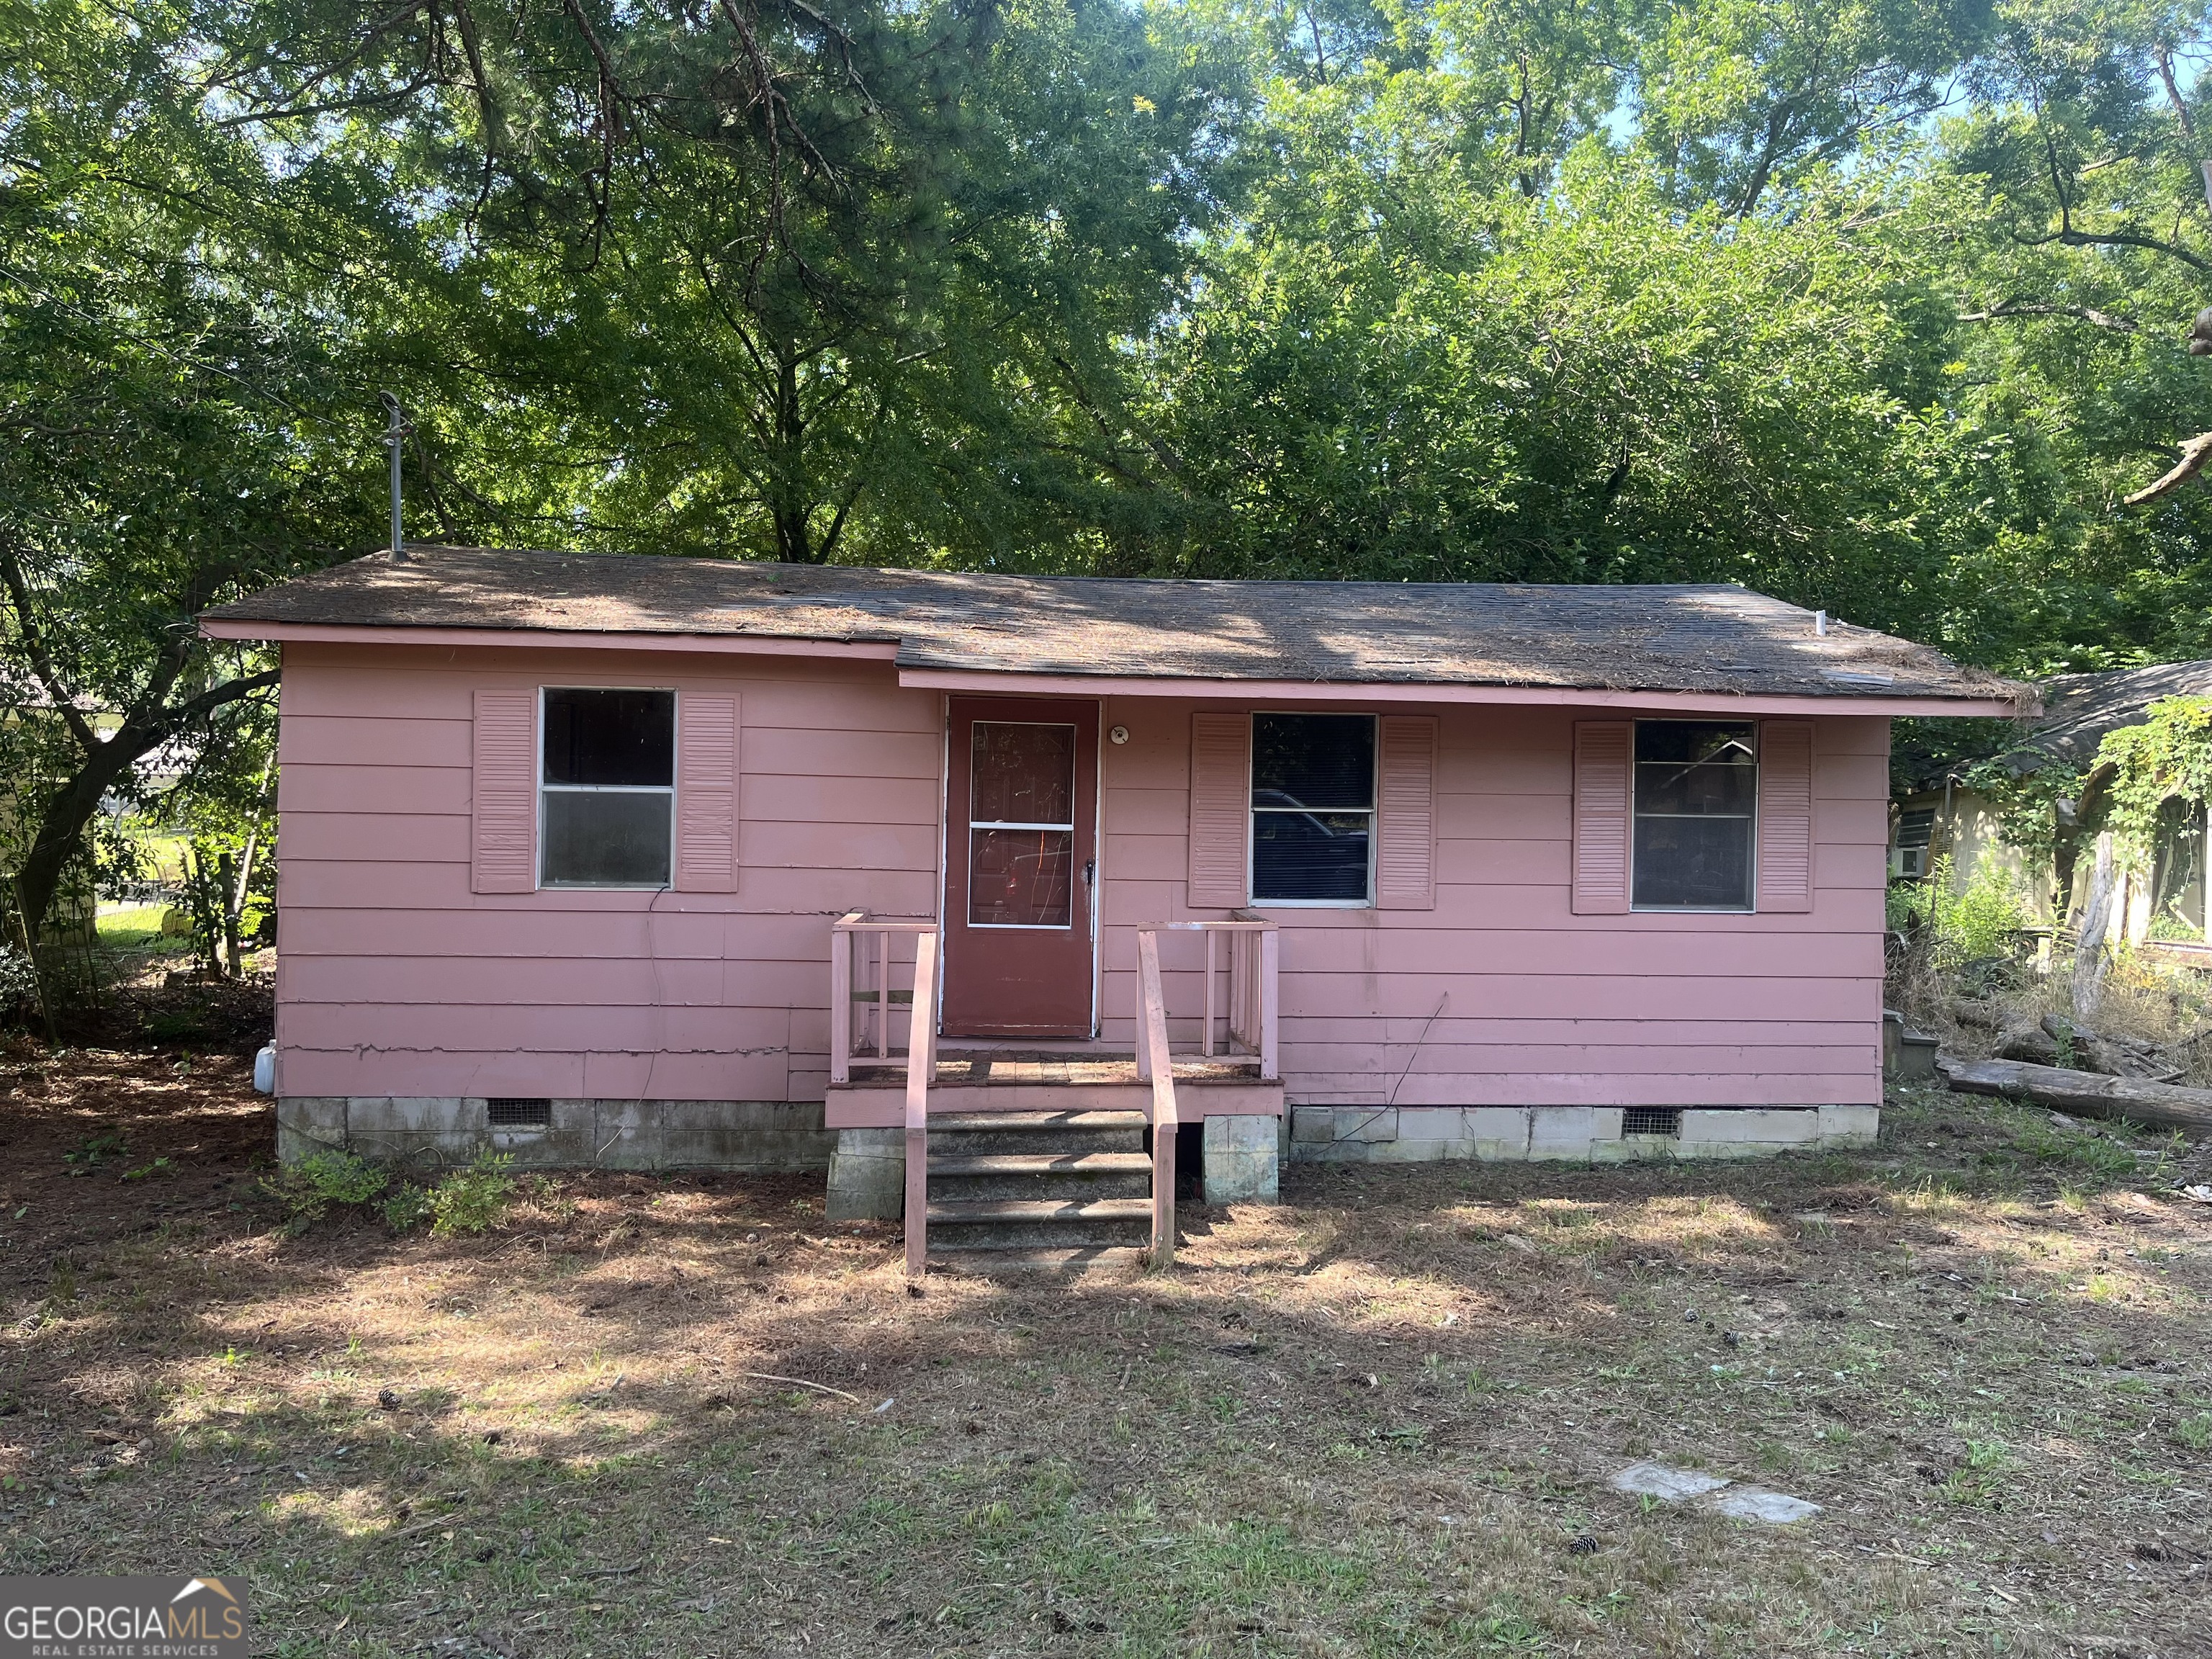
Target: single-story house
{"points": [[626, 859], [1939, 812]]}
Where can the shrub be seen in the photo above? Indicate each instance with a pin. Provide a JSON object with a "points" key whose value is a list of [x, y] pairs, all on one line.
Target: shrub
{"points": [[406, 1207], [310, 1187], [470, 1200], [1979, 924]]}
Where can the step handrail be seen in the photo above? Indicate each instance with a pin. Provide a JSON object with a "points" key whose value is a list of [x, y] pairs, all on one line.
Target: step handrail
{"points": [[921, 1068], [1153, 1044], [875, 952], [1252, 1012]]}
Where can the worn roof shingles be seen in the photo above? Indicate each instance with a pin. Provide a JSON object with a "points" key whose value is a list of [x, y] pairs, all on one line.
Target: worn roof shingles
{"points": [[1632, 638]]}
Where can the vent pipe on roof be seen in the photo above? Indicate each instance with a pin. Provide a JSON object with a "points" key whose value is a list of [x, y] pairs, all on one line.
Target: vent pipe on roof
{"points": [[395, 435]]}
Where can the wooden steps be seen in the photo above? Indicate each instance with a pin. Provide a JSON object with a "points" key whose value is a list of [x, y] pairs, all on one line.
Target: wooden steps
{"points": [[1056, 1181]]}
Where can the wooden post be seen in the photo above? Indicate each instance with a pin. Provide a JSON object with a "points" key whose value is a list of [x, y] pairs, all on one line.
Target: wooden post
{"points": [[1270, 964], [1206, 1047], [1153, 1042], [920, 1062], [841, 1002], [884, 993]]}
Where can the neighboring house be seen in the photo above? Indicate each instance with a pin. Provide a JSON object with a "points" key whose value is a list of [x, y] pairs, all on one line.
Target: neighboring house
{"points": [[1514, 872], [1938, 813]]}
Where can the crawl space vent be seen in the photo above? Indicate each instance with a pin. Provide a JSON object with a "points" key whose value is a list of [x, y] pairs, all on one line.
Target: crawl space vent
{"points": [[1635, 1120], [516, 1113]]}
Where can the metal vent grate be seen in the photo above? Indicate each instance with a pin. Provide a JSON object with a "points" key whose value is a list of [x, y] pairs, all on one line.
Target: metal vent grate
{"points": [[514, 1113], [1652, 1120]]}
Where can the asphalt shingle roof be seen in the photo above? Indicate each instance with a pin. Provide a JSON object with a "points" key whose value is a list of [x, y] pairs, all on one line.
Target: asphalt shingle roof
{"points": [[1639, 638]]}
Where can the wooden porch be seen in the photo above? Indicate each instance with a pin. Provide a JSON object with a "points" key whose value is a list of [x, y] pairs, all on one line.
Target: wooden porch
{"points": [[1018, 1145]]}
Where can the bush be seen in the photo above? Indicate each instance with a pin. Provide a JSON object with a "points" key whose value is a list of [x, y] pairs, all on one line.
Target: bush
{"points": [[1981, 924], [470, 1200], [310, 1187], [406, 1207]]}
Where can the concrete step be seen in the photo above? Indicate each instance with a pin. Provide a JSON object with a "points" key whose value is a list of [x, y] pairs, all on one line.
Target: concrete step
{"points": [[996, 1259]]}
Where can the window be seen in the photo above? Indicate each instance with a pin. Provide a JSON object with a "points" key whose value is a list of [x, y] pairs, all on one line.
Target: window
{"points": [[1916, 834], [1021, 825], [1697, 793], [607, 791], [1313, 808]]}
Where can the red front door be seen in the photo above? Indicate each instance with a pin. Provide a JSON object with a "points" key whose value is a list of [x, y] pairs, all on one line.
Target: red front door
{"points": [[1021, 821]]}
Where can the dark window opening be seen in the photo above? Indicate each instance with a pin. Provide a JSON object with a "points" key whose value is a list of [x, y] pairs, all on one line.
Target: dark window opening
{"points": [[515, 1113], [1697, 793], [607, 788], [1652, 1120], [1313, 808]]}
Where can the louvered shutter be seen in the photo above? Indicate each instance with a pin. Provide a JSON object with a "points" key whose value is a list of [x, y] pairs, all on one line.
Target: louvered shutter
{"points": [[1220, 809], [1603, 789], [707, 794], [1785, 816], [1406, 830], [503, 794]]}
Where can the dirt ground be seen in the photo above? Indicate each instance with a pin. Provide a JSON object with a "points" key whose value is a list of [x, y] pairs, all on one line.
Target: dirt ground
{"points": [[1377, 1420]]}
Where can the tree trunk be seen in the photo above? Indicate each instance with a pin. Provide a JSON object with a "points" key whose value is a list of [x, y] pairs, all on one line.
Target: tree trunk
{"points": [[2089, 955], [2160, 1105], [60, 831], [226, 874]]}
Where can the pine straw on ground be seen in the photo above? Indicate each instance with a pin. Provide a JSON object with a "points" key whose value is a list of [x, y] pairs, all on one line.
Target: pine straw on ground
{"points": [[1377, 1420]]}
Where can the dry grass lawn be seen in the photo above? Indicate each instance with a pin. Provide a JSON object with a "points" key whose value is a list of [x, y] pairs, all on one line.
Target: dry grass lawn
{"points": [[1377, 1420]]}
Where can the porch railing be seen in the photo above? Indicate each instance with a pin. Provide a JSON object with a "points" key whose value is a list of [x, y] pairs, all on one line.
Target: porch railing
{"points": [[1153, 1062], [920, 1070], [1242, 1018], [863, 961]]}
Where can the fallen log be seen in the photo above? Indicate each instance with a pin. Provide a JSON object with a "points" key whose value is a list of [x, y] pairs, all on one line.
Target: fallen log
{"points": [[2160, 1105]]}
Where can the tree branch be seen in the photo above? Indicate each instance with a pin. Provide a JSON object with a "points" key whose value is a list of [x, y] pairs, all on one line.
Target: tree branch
{"points": [[2194, 454], [35, 644]]}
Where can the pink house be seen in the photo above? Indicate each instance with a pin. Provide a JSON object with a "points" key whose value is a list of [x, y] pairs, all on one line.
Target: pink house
{"points": [[635, 861]]}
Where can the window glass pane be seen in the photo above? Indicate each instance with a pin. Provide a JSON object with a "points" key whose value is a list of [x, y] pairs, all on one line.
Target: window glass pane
{"points": [[1696, 740], [606, 840], [1702, 863], [611, 736], [1022, 774], [1310, 855], [1674, 789], [1318, 761], [1021, 877]]}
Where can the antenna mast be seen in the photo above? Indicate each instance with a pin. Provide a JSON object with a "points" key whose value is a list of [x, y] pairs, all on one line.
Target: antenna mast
{"points": [[395, 435]]}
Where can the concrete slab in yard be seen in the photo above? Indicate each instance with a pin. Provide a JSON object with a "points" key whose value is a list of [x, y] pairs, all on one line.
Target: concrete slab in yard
{"points": [[1757, 1503], [1658, 1481]]}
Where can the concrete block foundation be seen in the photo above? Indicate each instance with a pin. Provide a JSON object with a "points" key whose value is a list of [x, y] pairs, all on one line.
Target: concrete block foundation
{"points": [[601, 1134], [867, 1175], [1581, 1134], [1241, 1159]]}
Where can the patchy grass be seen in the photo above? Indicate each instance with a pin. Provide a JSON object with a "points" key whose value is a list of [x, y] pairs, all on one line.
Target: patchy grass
{"points": [[1376, 1420]]}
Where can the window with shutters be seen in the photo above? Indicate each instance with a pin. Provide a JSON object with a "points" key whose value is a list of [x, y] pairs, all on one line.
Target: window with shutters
{"points": [[1313, 808], [1697, 797], [606, 798]]}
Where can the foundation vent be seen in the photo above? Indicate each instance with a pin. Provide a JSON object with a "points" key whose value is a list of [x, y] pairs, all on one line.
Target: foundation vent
{"points": [[515, 1113], [1636, 1121]]}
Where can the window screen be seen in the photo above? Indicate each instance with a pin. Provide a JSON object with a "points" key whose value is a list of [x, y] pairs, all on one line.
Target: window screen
{"points": [[1697, 792], [1313, 808], [608, 789]]}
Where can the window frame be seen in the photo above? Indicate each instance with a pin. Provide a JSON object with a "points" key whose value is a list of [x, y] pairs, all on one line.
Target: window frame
{"points": [[669, 789], [1750, 907], [968, 852], [1373, 810]]}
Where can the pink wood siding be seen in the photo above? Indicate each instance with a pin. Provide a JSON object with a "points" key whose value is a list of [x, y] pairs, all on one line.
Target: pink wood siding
{"points": [[1501, 994], [398, 977]]}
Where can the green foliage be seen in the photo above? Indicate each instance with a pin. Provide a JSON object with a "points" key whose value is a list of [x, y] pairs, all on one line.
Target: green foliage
{"points": [[2167, 758], [1979, 923], [309, 1187], [405, 1207], [471, 1200], [95, 1150]]}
